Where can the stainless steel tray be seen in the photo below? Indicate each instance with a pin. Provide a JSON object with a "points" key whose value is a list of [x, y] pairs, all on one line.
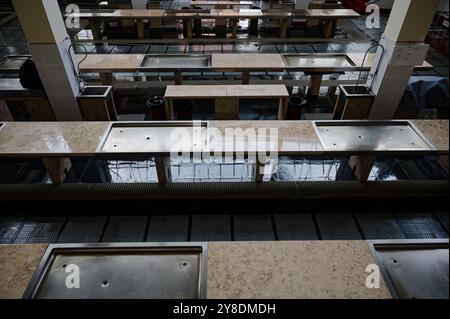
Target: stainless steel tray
{"points": [[151, 138], [111, 271], [12, 63], [371, 136], [319, 62], [176, 62], [414, 269]]}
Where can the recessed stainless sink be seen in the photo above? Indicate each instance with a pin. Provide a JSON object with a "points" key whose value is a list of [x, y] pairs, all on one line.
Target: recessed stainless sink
{"points": [[121, 271], [12, 63], [371, 136], [176, 62], [413, 269], [153, 138], [319, 62]]}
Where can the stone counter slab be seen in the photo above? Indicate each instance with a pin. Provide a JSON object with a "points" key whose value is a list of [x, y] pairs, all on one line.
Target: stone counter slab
{"points": [[78, 139], [290, 270], [17, 265], [61, 138], [236, 270]]}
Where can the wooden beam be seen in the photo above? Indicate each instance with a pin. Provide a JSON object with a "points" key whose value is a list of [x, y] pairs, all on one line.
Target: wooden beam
{"points": [[178, 77], [362, 166], [259, 171], [140, 29], [5, 114], [163, 169], [57, 168], [245, 77], [169, 109], [283, 109]]}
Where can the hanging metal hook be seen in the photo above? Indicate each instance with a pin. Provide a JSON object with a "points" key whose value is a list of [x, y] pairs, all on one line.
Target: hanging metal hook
{"points": [[364, 61], [76, 70]]}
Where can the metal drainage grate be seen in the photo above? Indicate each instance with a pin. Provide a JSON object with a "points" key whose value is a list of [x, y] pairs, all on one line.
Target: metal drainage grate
{"points": [[40, 230], [338, 227], [9, 227], [379, 226], [443, 218], [420, 226], [125, 229], [296, 227], [83, 230], [211, 228], [253, 227], [171, 228]]}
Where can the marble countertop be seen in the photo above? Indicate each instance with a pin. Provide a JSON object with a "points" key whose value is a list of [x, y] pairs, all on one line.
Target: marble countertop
{"points": [[436, 131], [291, 270], [264, 90], [40, 139], [212, 91], [227, 62], [51, 138], [17, 265], [195, 91], [331, 13], [139, 13], [248, 61], [237, 270], [106, 62]]}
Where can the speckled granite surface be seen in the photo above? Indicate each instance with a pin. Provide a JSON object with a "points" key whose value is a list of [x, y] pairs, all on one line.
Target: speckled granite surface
{"points": [[75, 138], [17, 265], [436, 131], [320, 269], [83, 138]]}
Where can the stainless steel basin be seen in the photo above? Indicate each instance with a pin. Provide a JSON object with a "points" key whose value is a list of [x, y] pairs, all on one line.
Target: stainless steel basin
{"points": [[12, 64], [370, 136], [176, 62], [319, 62], [121, 271], [413, 269], [151, 138]]}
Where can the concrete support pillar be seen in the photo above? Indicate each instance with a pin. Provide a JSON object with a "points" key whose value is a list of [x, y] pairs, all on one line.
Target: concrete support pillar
{"points": [[404, 46], [49, 44]]}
